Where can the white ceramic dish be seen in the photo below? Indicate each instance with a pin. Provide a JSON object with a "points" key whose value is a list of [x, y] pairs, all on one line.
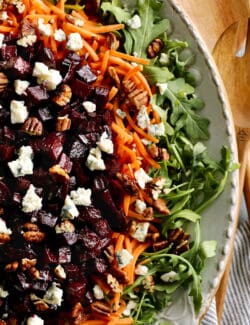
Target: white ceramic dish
{"points": [[219, 220]]}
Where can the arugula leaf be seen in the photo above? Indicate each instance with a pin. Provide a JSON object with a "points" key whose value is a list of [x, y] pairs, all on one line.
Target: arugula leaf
{"points": [[180, 88], [121, 14], [156, 74]]}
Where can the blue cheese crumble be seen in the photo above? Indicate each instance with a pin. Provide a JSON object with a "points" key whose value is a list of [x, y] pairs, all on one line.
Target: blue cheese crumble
{"points": [[123, 257], [81, 196], [23, 165], [31, 201], [69, 210]]}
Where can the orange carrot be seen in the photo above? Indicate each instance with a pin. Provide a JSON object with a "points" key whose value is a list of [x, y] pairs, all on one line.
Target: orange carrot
{"points": [[136, 253], [144, 152], [129, 57], [104, 65], [123, 133], [93, 322], [132, 72], [119, 242], [126, 203]]}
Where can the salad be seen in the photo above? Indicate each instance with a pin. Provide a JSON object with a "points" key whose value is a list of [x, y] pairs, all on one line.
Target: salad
{"points": [[104, 168]]}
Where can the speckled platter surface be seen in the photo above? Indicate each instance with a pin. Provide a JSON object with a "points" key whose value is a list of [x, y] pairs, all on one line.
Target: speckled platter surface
{"points": [[219, 220]]}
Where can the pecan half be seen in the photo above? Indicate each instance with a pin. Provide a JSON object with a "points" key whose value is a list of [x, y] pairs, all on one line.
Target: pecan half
{"points": [[128, 184], [113, 283], [63, 123], [63, 95], [59, 174], [179, 239], [161, 206], [3, 81], [33, 126], [154, 48], [59, 272], [134, 95], [158, 153], [113, 42], [34, 236], [4, 238], [11, 267], [119, 274], [157, 246], [27, 263], [31, 226], [113, 74], [101, 308]]}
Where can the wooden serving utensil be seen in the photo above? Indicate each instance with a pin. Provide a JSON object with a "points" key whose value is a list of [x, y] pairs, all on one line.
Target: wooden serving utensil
{"points": [[235, 72]]}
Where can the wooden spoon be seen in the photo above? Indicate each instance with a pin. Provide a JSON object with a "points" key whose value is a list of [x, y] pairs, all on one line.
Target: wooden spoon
{"points": [[235, 72]]}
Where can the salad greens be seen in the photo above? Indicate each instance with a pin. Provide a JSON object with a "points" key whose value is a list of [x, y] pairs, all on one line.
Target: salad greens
{"points": [[193, 180]]}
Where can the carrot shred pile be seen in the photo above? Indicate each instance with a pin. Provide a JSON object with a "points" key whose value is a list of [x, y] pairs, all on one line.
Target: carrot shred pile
{"points": [[128, 137]]}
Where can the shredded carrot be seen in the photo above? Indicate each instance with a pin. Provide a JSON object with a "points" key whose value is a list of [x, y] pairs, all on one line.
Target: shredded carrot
{"points": [[93, 322], [129, 57], [126, 203], [103, 285], [112, 93], [132, 72], [144, 152], [119, 242], [122, 133], [105, 60]]}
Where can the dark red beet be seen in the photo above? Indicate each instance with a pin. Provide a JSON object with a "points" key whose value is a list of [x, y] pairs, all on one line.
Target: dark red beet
{"points": [[81, 89], [78, 170], [101, 227], [65, 163], [37, 95], [88, 298], [68, 238], [52, 146], [49, 256], [75, 291], [46, 219], [8, 134], [77, 150], [69, 65], [22, 184], [40, 286], [18, 68], [64, 255], [89, 214], [16, 199], [8, 52], [45, 114], [89, 139], [4, 193], [97, 265], [72, 271], [46, 56], [86, 74], [101, 96], [89, 239], [24, 283], [79, 121], [100, 183], [6, 152]]}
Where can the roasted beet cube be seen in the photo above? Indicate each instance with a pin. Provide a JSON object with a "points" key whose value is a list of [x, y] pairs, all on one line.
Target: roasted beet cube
{"points": [[45, 114], [46, 56], [19, 68], [81, 175], [86, 74], [6, 152], [37, 95], [81, 89], [24, 283], [100, 183], [89, 139], [97, 265], [89, 214], [89, 239], [77, 150], [8, 134], [16, 199], [52, 146], [23, 305], [88, 298], [79, 121], [75, 291], [101, 227], [101, 96], [4, 193], [40, 286], [49, 256], [22, 184], [68, 238], [64, 255], [8, 52], [46, 219], [65, 163], [72, 271]]}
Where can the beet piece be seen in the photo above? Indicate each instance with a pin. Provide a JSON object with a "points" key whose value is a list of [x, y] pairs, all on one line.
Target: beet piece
{"points": [[46, 219], [86, 74], [45, 275], [101, 96], [6, 152], [8, 134], [24, 283], [72, 271], [65, 163], [77, 150], [23, 305], [64, 255], [81, 175], [89, 214], [89, 239], [81, 89], [89, 139], [37, 95], [18, 68], [69, 65], [115, 217], [49, 256], [4, 114], [16, 199], [46, 56], [40, 286], [100, 183], [97, 265], [8, 52], [40, 178], [45, 114], [101, 227], [4, 193], [79, 121], [68, 238], [22, 185], [75, 291], [88, 298], [52, 146]]}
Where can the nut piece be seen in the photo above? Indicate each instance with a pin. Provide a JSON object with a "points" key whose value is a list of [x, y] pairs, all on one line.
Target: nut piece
{"points": [[59, 174], [113, 42], [31, 226], [158, 153], [11, 267], [135, 96], [33, 126], [161, 206], [148, 214], [154, 48], [26, 263], [179, 239], [78, 313], [3, 81], [101, 308], [63, 95], [4, 238], [59, 272], [113, 74], [119, 274], [113, 283], [148, 283], [157, 246], [39, 303], [110, 253], [63, 123], [128, 184], [34, 236]]}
